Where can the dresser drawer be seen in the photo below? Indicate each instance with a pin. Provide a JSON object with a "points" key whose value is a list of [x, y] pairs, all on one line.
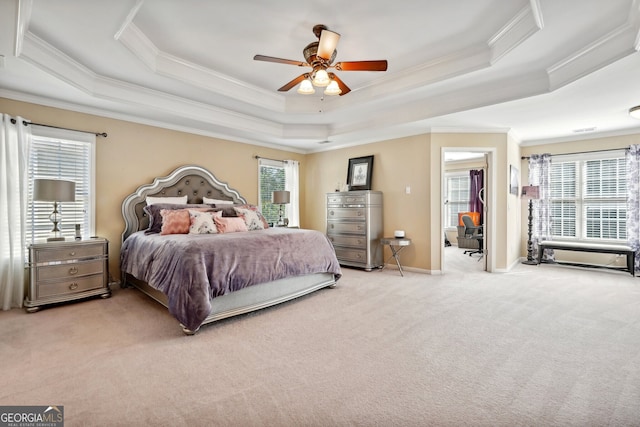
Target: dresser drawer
{"points": [[69, 270], [352, 241], [335, 227], [65, 254], [355, 255], [342, 199], [70, 286], [347, 213]]}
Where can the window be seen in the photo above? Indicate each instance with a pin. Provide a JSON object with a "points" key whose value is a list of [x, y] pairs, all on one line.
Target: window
{"points": [[457, 187], [271, 177], [588, 197], [61, 154]]}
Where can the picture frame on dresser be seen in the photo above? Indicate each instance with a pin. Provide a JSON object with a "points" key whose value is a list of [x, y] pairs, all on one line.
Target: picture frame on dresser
{"points": [[359, 173]]}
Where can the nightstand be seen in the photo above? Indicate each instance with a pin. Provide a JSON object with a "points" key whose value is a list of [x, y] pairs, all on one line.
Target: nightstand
{"points": [[67, 271]]}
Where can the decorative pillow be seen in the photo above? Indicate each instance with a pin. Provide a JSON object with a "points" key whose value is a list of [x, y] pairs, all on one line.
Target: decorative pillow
{"points": [[202, 221], [216, 201], [175, 221], [230, 224], [155, 218], [252, 218], [167, 200]]}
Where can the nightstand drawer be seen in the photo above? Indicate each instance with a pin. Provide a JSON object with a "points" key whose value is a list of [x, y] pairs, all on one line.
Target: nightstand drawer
{"points": [[69, 253], [70, 286], [353, 241], [346, 227], [69, 270]]}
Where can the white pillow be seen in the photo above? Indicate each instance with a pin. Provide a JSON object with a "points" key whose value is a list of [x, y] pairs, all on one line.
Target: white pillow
{"points": [[216, 201], [202, 222], [181, 200]]}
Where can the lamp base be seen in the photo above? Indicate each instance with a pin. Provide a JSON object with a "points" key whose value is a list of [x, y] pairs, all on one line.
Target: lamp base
{"points": [[56, 239]]}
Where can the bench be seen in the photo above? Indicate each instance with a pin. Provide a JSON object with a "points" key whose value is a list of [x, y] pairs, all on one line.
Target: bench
{"points": [[590, 247]]}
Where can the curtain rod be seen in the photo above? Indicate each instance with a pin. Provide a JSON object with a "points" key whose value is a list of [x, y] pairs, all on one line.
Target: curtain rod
{"points": [[266, 158], [26, 123], [579, 152]]}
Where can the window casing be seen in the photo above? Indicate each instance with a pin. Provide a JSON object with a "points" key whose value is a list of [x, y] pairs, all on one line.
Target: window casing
{"points": [[588, 197], [271, 177], [68, 155], [457, 189]]}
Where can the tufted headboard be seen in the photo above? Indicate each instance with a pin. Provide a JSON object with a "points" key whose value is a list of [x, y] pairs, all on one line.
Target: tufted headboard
{"points": [[194, 181]]}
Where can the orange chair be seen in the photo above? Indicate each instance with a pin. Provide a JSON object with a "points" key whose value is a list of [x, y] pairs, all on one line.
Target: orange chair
{"points": [[475, 217]]}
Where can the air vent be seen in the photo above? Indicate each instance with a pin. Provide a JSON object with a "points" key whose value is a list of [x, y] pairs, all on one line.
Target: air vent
{"points": [[583, 130]]}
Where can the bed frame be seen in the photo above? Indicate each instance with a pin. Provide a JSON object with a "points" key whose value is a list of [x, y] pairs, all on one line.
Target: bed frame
{"points": [[196, 182]]}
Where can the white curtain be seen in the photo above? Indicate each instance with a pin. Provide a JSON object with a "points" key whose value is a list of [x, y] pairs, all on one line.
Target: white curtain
{"points": [[633, 201], [292, 185], [15, 142], [540, 175]]}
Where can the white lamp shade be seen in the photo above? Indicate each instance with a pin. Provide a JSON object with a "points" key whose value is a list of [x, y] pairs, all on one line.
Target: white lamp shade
{"points": [[54, 190], [306, 88], [281, 197], [333, 89], [321, 78]]}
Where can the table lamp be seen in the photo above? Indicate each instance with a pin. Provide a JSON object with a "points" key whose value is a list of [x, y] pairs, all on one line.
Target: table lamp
{"points": [[281, 198], [56, 191]]}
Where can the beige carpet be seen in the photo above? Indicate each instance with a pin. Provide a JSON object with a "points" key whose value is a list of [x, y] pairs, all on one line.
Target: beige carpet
{"points": [[538, 346]]}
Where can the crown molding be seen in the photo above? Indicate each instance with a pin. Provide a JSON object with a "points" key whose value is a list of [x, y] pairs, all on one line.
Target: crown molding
{"points": [[607, 49], [522, 26]]}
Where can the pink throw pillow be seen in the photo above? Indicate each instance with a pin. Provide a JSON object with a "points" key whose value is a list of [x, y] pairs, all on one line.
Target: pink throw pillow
{"points": [[175, 221], [230, 224]]}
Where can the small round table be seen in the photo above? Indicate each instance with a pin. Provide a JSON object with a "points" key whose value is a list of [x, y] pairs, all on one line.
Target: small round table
{"points": [[396, 244]]}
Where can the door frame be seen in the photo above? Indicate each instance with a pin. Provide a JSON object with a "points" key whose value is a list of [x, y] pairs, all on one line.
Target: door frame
{"points": [[489, 205]]}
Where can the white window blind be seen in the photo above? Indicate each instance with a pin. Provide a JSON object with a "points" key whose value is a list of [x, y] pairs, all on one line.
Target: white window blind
{"points": [[68, 155], [458, 193], [588, 197], [271, 177]]}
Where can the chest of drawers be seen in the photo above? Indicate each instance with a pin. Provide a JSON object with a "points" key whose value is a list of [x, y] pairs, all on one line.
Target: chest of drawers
{"points": [[66, 271], [354, 226]]}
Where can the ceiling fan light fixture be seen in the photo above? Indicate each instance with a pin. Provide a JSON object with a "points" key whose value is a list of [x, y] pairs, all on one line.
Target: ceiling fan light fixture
{"points": [[321, 78], [635, 112], [327, 44], [306, 88], [333, 89]]}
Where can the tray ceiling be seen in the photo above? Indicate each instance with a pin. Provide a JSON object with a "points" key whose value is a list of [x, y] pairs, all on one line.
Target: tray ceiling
{"points": [[543, 70]]}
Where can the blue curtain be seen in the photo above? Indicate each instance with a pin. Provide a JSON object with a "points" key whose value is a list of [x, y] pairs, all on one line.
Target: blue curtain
{"points": [[477, 184], [632, 155]]}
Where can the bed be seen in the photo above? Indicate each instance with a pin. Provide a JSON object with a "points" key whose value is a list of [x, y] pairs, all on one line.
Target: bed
{"points": [[202, 278]]}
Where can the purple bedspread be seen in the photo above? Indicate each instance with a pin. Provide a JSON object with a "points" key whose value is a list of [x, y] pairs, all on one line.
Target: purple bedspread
{"points": [[191, 269]]}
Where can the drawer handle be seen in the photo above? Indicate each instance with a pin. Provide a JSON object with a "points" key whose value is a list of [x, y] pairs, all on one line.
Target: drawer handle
{"points": [[73, 286], [330, 212], [73, 271], [331, 226], [359, 213], [72, 253]]}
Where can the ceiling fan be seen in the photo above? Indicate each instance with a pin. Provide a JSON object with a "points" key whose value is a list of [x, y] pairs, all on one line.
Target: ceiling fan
{"points": [[319, 56]]}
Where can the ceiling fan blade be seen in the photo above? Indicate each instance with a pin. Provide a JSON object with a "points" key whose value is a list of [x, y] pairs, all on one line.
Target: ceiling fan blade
{"points": [[280, 60], [380, 65], [294, 82], [343, 87], [328, 42]]}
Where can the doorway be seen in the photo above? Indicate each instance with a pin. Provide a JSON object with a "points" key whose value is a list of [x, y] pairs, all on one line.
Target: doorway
{"points": [[461, 160]]}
